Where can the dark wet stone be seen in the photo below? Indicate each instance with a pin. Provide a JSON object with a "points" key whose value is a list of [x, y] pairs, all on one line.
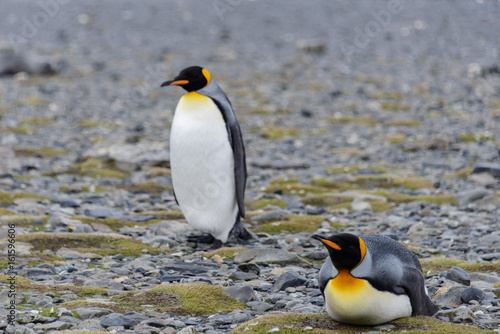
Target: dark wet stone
{"points": [[288, 279], [472, 294], [491, 168], [249, 268], [242, 276], [69, 203], [458, 275]]}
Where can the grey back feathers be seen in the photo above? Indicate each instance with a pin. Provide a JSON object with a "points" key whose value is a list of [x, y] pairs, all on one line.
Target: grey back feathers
{"points": [[213, 91]]}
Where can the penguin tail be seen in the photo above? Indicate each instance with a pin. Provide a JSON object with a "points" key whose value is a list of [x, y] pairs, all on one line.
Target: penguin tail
{"points": [[241, 234]]}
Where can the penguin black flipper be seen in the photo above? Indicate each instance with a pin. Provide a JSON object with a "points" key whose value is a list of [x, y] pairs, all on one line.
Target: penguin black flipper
{"points": [[413, 283], [236, 141]]}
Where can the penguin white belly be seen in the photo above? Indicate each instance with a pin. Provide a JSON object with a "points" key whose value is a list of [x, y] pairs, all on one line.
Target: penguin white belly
{"points": [[202, 165], [355, 301]]}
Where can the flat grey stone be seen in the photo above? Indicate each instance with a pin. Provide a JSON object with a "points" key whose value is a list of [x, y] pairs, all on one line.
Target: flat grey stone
{"points": [[491, 168], [270, 256], [472, 294], [288, 279], [242, 293], [458, 275], [56, 325], [471, 195]]}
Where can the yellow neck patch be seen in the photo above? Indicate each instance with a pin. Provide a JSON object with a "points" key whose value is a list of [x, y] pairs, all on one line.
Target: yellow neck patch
{"points": [[207, 75], [345, 284]]}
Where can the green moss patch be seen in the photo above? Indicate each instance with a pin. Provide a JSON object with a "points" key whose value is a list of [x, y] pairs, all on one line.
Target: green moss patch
{"points": [[353, 169], [184, 299], [301, 323], [405, 198], [323, 200], [394, 106], [388, 95], [39, 152], [435, 264], [292, 224], [225, 252], [263, 202], [146, 187], [460, 173], [389, 181], [291, 186], [163, 214], [8, 198], [395, 138], [93, 167], [475, 137], [31, 101], [97, 243], [352, 119], [6, 212]]}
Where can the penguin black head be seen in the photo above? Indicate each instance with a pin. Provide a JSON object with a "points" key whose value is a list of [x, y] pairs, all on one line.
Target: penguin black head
{"points": [[346, 250], [191, 79]]}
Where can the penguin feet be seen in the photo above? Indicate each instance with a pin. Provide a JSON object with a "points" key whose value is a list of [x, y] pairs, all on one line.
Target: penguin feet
{"points": [[242, 235], [205, 239], [201, 238]]}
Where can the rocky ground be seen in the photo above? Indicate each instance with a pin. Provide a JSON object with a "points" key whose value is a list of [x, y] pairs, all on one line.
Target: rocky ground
{"points": [[357, 116]]}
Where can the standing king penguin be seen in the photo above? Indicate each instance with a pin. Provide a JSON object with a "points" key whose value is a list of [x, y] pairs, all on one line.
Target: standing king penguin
{"points": [[371, 279], [207, 159]]}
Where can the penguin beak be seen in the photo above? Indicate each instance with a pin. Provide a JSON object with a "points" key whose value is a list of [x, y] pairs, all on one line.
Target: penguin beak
{"points": [[327, 242], [175, 83]]}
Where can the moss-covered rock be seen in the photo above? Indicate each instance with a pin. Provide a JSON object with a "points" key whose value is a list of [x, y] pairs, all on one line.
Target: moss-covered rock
{"points": [[184, 299], [146, 187], [7, 198], [39, 152], [294, 224], [323, 200], [263, 202], [98, 243], [405, 198], [436, 264], [391, 181], [394, 106], [98, 168], [302, 323], [278, 132], [353, 169]]}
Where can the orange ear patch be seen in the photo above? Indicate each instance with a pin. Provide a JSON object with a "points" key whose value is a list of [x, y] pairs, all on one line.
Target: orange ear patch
{"points": [[331, 244]]}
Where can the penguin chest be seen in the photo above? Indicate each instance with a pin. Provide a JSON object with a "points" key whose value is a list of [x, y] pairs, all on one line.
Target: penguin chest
{"points": [[355, 301], [202, 165]]}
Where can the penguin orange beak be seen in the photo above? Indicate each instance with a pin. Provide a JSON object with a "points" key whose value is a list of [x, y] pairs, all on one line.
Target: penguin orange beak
{"points": [[329, 243], [175, 83]]}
